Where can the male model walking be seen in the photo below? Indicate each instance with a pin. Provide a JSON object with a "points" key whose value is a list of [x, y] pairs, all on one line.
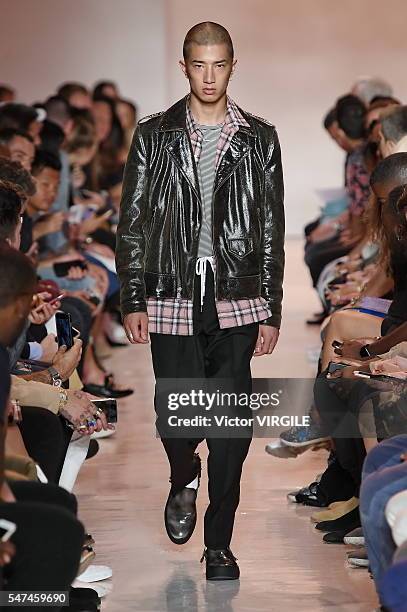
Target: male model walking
{"points": [[200, 256]]}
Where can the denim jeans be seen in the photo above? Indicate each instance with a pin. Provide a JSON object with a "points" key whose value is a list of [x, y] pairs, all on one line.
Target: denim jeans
{"points": [[383, 476]]}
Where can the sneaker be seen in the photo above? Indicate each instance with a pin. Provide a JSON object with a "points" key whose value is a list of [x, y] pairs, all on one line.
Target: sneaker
{"points": [[358, 558], [280, 450], [355, 537], [311, 496], [303, 436]]}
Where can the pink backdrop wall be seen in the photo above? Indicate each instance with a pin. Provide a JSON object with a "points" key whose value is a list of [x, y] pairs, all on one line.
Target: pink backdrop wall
{"points": [[295, 57]]}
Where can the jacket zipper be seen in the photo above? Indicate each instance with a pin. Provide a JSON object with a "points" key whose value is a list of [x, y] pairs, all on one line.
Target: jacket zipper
{"points": [[177, 270]]}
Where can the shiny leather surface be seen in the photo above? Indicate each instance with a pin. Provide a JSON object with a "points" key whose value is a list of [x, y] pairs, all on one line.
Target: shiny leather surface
{"points": [[180, 515], [161, 212]]}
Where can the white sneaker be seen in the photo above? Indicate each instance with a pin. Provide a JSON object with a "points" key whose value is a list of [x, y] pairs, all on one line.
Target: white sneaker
{"points": [[280, 450], [95, 573]]}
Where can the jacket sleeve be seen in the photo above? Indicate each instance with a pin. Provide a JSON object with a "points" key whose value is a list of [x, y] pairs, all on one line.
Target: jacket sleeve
{"points": [[130, 239], [273, 233]]}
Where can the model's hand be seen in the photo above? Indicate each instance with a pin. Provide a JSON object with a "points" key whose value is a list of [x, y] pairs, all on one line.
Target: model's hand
{"points": [[136, 327], [266, 340]]}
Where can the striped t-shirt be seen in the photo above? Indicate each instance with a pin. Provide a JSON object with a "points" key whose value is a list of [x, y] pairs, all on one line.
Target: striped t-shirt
{"points": [[206, 174]]}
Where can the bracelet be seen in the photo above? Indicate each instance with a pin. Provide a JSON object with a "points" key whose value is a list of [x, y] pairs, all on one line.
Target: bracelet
{"points": [[63, 399]]}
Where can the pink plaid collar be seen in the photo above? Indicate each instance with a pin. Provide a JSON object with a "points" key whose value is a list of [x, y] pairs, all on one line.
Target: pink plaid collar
{"points": [[233, 121]]}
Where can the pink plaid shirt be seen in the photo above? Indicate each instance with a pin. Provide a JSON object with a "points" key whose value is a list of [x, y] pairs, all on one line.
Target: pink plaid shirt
{"points": [[175, 316]]}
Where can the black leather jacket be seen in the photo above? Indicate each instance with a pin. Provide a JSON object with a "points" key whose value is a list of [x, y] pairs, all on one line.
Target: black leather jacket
{"points": [[160, 216]]}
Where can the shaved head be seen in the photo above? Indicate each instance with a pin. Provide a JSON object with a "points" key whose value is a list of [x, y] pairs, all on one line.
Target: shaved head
{"points": [[208, 33]]}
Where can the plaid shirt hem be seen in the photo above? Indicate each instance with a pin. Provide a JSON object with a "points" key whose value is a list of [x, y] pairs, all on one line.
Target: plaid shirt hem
{"points": [[174, 316]]}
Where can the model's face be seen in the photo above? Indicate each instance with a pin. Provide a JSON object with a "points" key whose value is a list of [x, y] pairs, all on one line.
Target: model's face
{"points": [[208, 69], [22, 150], [47, 182]]}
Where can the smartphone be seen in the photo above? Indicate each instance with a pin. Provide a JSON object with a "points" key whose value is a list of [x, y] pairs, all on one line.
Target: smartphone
{"points": [[75, 332], [334, 367], [109, 407], [378, 377], [337, 344], [7, 528], [62, 268], [64, 329], [57, 299]]}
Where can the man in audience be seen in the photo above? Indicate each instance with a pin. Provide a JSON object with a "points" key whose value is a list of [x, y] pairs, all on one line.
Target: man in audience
{"points": [[393, 132], [335, 239], [20, 145], [76, 95], [7, 93], [46, 547], [23, 117]]}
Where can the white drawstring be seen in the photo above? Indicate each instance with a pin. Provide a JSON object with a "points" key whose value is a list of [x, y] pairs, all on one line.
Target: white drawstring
{"points": [[200, 269]]}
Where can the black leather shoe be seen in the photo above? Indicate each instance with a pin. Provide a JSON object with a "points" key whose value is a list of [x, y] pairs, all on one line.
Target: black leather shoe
{"points": [[335, 537], [220, 564], [348, 522], [180, 511]]}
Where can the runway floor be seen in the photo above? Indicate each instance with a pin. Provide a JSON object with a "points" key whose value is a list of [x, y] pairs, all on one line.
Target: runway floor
{"points": [[284, 564]]}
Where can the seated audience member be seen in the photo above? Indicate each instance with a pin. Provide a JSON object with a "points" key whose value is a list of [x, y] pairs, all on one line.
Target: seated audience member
{"points": [[23, 117], [7, 93], [337, 238], [110, 139], [369, 88], [127, 114], [49, 453], [107, 89], [45, 551], [393, 131], [76, 95], [20, 146]]}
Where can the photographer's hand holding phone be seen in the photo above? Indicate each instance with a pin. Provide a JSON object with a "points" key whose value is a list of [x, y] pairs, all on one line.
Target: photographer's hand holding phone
{"points": [[66, 360], [49, 348]]}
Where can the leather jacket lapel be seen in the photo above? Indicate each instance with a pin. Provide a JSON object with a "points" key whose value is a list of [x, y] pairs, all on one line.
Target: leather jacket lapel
{"points": [[236, 152], [181, 153]]}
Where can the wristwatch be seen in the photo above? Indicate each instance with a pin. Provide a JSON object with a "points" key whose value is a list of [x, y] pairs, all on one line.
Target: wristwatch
{"points": [[55, 376], [364, 351]]}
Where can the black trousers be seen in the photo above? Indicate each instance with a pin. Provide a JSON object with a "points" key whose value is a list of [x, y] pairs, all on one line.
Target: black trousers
{"points": [[320, 254], [46, 437], [210, 353], [48, 539], [339, 412]]}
